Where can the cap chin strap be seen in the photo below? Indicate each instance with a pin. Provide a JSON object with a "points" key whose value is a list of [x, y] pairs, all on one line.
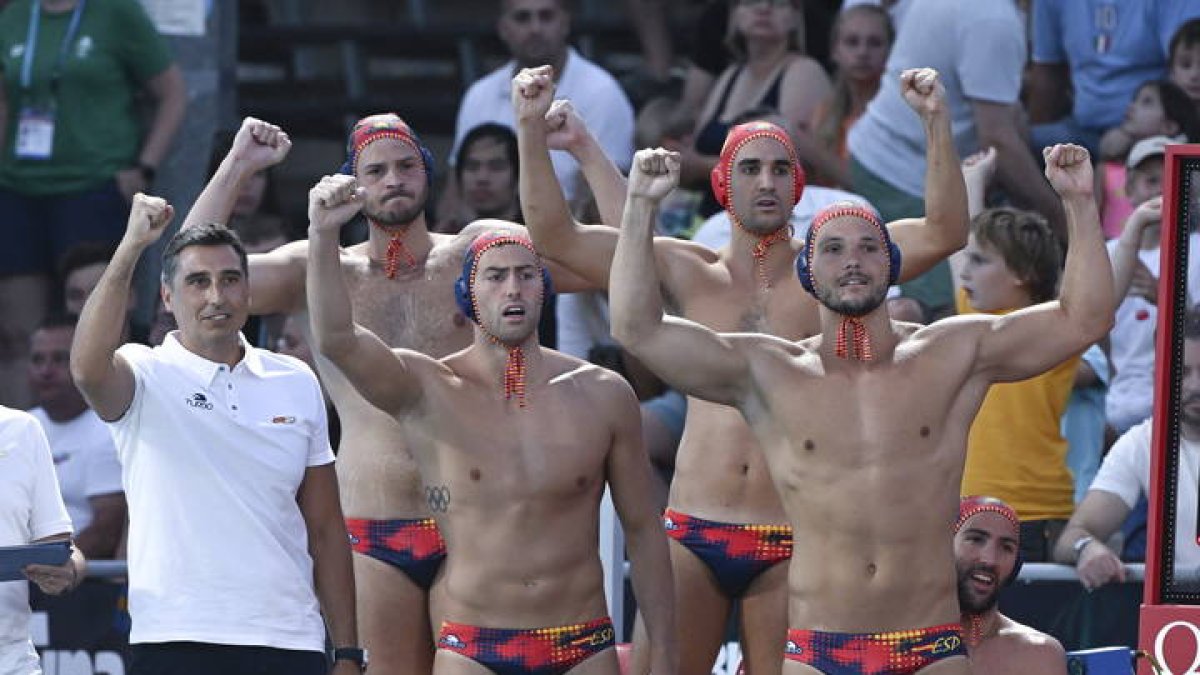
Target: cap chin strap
{"points": [[763, 245], [852, 331], [514, 371], [395, 250]]}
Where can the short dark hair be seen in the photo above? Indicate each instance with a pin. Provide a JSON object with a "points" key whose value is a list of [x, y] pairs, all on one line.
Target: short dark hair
{"points": [[208, 234], [84, 254], [1029, 247], [499, 132], [1185, 36], [1177, 107]]}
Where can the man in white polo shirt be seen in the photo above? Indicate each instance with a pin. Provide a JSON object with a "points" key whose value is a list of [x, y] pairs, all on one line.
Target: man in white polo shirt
{"points": [[1125, 475], [235, 524], [31, 510]]}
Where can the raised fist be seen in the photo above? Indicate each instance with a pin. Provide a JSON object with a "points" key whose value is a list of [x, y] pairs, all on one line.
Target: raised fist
{"points": [[565, 129], [655, 172], [333, 201], [923, 91], [1069, 170], [532, 94], [148, 218], [259, 145]]}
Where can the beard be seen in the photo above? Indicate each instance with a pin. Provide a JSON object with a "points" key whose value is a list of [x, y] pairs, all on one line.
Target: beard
{"points": [[968, 602], [855, 308], [392, 217]]}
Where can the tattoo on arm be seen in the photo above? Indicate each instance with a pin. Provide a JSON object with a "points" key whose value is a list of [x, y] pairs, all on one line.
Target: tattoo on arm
{"points": [[438, 497]]}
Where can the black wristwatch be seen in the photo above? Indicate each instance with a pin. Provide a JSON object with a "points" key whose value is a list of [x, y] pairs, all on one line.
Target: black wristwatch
{"points": [[356, 654], [148, 172]]}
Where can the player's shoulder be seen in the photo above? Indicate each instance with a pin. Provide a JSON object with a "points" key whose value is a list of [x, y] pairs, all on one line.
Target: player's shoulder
{"points": [[595, 382], [1031, 645]]}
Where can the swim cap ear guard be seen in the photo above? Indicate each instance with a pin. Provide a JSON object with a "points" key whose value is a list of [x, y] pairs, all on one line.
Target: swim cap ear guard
{"points": [[838, 210], [385, 125], [463, 284]]}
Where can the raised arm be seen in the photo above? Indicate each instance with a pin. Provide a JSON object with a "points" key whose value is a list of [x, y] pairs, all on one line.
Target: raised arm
{"points": [[103, 377], [276, 278], [585, 250], [1125, 260], [1032, 340], [929, 240], [631, 480], [568, 132], [691, 358], [383, 378]]}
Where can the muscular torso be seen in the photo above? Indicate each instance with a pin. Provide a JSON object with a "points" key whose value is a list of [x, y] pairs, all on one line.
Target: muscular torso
{"points": [[868, 461], [1015, 649], [516, 492], [416, 310], [720, 472]]}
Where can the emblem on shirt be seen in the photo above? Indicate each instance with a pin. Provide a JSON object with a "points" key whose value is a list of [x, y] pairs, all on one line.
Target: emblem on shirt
{"points": [[283, 419], [199, 400]]}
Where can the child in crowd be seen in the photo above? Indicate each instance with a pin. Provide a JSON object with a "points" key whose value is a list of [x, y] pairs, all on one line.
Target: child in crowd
{"points": [[1013, 260], [1184, 60], [1158, 108]]}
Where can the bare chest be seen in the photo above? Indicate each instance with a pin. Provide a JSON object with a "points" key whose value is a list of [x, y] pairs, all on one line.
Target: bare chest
{"points": [[416, 310], [784, 310]]}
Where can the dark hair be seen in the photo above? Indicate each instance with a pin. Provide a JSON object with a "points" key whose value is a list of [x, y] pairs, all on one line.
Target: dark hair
{"points": [[1029, 247], [1185, 36], [208, 234], [499, 132], [1177, 107], [57, 320], [84, 254]]}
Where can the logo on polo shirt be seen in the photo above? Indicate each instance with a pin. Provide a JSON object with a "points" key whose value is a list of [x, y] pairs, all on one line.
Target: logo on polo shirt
{"points": [[199, 400], [283, 419]]}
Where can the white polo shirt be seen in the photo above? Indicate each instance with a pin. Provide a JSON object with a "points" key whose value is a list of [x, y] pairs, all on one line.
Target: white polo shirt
{"points": [[85, 460], [30, 509], [212, 460]]}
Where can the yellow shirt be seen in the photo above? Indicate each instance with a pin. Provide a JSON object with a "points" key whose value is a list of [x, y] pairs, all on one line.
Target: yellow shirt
{"points": [[1015, 450]]}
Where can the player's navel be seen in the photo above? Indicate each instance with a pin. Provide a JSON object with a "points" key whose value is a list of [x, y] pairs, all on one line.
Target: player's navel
{"points": [[924, 432], [580, 481], [809, 445], [870, 569], [745, 469], [475, 474]]}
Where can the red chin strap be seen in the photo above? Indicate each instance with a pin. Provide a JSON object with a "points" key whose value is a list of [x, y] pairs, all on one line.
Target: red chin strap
{"points": [[763, 246], [858, 337], [514, 371], [395, 250]]}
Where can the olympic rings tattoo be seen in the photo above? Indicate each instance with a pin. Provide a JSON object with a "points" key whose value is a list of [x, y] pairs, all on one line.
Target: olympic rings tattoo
{"points": [[438, 497]]}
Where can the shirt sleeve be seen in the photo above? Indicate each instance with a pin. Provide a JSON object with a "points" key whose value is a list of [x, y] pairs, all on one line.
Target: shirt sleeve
{"points": [[991, 60], [1126, 468], [143, 51], [1048, 32], [49, 515]]}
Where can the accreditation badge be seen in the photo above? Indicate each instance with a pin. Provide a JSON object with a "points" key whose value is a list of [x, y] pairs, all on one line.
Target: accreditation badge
{"points": [[35, 133]]}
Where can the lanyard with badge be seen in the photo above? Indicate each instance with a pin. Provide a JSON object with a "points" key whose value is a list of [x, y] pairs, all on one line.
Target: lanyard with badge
{"points": [[35, 124]]}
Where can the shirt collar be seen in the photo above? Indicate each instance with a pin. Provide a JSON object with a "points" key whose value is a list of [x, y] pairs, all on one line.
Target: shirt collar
{"points": [[201, 367]]}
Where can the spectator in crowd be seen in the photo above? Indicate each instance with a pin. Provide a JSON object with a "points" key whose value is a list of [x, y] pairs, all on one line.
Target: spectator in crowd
{"points": [[255, 462], [1124, 477], [535, 33], [31, 511], [531, 492], [1183, 65], [986, 554], [73, 149], [486, 171], [979, 50], [1159, 108], [769, 71], [1135, 259], [85, 459], [1089, 58], [80, 270], [1012, 261], [862, 37], [749, 284]]}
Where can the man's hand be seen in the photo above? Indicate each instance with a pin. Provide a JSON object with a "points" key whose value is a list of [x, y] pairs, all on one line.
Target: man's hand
{"points": [[1147, 214], [565, 129], [1069, 170], [148, 219], [655, 172], [1098, 565], [259, 145], [333, 202], [52, 579], [923, 91], [978, 170], [532, 94]]}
